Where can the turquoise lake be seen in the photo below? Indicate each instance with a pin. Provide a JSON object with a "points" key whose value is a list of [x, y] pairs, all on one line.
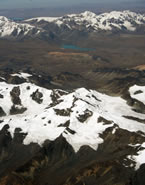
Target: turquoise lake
{"points": [[17, 19], [76, 48]]}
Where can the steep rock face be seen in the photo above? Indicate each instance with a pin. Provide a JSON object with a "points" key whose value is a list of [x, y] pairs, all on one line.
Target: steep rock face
{"points": [[2, 113], [12, 152], [56, 163], [138, 177]]}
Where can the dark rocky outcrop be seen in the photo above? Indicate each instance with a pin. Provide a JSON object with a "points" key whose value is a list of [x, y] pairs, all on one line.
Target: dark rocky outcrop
{"points": [[101, 119], [15, 80], [17, 107], [2, 113], [83, 117], [139, 178], [57, 163], [138, 92], [15, 93], [13, 153], [37, 96], [63, 112], [17, 110], [134, 103], [66, 124], [1, 96]]}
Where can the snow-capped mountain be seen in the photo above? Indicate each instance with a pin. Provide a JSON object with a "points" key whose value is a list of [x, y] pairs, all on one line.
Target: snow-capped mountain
{"points": [[80, 116], [125, 20], [86, 21], [48, 132], [10, 28]]}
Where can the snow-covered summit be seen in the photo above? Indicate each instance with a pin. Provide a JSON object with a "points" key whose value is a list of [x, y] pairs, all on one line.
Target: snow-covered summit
{"points": [[88, 14], [125, 20], [13, 29], [2, 18]]}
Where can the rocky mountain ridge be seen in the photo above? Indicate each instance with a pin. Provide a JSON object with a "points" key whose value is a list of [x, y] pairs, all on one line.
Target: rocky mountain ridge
{"points": [[86, 22], [125, 20], [57, 128]]}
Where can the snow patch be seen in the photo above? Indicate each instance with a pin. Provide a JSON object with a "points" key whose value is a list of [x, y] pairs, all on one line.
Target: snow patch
{"points": [[140, 157], [22, 75], [138, 93]]}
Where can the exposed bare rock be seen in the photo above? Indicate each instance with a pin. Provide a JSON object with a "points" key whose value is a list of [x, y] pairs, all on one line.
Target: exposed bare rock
{"points": [[2, 113], [63, 112], [37, 96], [15, 93], [138, 178], [1, 96], [87, 113], [15, 80], [17, 110]]}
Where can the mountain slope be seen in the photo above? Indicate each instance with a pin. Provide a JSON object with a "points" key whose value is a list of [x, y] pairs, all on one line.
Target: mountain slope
{"points": [[10, 28], [46, 114]]}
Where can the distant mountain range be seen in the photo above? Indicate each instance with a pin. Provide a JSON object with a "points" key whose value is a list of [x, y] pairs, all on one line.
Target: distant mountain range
{"points": [[86, 22]]}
